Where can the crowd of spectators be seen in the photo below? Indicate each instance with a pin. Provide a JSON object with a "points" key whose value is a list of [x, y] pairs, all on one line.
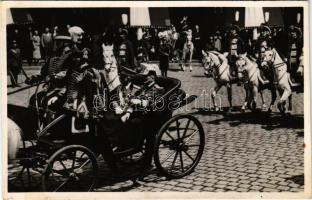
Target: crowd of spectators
{"points": [[164, 44]]}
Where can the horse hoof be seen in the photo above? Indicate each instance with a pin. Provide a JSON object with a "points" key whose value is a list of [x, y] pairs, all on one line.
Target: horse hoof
{"points": [[217, 109], [281, 108], [243, 109], [253, 106]]}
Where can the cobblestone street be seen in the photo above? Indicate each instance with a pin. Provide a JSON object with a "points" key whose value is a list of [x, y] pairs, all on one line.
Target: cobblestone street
{"points": [[244, 152]]}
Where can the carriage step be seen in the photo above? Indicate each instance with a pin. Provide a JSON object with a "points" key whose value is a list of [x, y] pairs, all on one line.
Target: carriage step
{"points": [[55, 143]]}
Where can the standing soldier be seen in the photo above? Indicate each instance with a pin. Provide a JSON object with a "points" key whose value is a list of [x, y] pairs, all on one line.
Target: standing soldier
{"points": [[197, 41], [164, 52], [125, 51], [235, 47], [294, 50], [14, 63], [47, 43]]}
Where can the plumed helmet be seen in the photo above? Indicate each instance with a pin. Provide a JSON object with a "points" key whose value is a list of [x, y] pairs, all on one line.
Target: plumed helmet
{"points": [[62, 37], [234, 27], [123, 32], [293, 28], [75, 30], [265, 28]]}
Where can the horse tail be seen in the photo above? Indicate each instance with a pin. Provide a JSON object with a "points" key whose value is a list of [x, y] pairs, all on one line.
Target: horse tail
{"points": [[14, 138]]}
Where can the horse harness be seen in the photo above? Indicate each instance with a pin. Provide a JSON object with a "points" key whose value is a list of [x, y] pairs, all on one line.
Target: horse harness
{"points": [[276, 66], [218, 66]]}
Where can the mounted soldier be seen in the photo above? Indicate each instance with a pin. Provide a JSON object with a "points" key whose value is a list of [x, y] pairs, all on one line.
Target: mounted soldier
{"points": [[235, 46], [294, 50], [264, 43]]}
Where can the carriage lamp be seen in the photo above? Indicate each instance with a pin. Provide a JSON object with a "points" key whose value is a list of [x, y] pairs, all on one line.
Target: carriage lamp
{"points": [[266, 17], [124, 19], [298, 18], [237, 16]]}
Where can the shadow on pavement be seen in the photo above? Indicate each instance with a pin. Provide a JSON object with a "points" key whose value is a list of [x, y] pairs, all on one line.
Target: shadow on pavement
{"points": [[127, 179], [298, 179], [268, 121], [199, 76]]}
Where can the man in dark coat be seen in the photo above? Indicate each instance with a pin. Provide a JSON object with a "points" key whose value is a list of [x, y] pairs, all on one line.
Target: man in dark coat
{"points": [[14, 63], [164, 52], [125, 51], [197, 41]]}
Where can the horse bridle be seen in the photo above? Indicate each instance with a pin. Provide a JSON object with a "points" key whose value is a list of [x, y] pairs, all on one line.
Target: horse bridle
{"points": [[276, 66]]}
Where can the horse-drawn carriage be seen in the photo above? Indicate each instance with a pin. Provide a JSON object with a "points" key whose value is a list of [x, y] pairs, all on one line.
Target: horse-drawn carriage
{"points": [[65, 160]]}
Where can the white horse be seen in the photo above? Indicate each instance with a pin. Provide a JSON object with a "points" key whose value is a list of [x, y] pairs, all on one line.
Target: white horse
{"points": [[218, 64], [281, 77], [14, 139], [248, 70], [188, 49], [110, 71]]}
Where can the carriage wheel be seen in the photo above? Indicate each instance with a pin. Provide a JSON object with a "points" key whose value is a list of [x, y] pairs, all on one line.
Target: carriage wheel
{"points": [[25, 171], [179, 146], [23, 178], [71, 168]]}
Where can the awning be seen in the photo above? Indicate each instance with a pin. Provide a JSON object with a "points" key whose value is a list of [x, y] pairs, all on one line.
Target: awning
{"points": [[254, 16], [140, 17], [19, 16]]}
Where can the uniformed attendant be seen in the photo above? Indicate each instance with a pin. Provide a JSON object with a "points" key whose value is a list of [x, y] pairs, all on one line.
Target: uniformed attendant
{"points": [[125, 51]]}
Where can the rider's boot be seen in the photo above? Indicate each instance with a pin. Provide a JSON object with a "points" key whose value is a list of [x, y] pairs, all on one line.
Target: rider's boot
{"points": [[263, 107], [253, 106], [281, 107]]}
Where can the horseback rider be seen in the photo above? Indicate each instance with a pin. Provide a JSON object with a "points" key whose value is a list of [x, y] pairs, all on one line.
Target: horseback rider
{"points": [[263, 40], [294, 50], [235, 46], [263, 43]]}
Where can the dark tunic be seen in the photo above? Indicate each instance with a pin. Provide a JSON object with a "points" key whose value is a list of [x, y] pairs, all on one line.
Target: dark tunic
{"points": [[164, 52], [126, 54]]}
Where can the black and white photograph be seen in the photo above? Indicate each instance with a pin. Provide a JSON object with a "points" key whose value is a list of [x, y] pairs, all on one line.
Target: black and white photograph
{"points": [[157, 99]]}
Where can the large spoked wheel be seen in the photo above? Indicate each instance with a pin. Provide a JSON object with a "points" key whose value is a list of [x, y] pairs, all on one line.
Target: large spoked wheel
{"points": [[179, 146], [25, 171], [71, 168]]}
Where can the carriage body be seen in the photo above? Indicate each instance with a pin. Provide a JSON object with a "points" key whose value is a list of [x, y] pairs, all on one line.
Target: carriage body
{"points": [[57, 147]]}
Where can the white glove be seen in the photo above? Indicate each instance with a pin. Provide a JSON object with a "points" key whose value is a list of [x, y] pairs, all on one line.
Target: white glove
{"points": [[135, 101], [300, 71], [125, 117], [52, 100], [118, 110], [144, 103]]}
